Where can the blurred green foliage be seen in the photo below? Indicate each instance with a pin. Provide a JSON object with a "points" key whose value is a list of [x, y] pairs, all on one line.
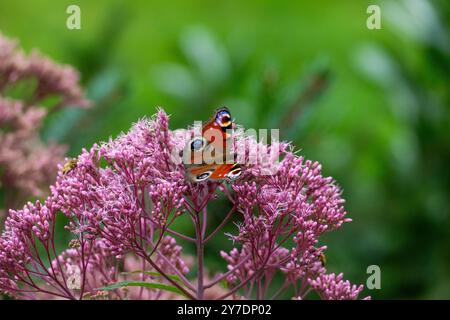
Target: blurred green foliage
{"points": [[371, 105]]}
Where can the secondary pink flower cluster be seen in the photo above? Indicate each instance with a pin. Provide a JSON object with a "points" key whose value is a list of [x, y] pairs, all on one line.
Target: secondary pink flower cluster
{"points": [[27, 165], [51, 79], [122, 199], [26, 162]]}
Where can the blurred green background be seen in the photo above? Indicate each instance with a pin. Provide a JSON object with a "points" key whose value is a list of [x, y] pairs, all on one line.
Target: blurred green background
{"points": [[371, 105]]}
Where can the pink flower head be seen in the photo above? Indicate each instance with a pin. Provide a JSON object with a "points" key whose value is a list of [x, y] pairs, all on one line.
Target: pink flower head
{"points": [[333, 287]]}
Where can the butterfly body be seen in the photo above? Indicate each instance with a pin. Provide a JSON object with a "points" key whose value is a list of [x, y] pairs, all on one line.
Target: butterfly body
{"points": [[208, 157]]}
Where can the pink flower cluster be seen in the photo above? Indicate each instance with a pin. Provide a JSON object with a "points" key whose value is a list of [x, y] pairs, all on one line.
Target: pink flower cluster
{"points": [[122, 198], [333, 287], [27, 165], [50, 78], [296, 206]]}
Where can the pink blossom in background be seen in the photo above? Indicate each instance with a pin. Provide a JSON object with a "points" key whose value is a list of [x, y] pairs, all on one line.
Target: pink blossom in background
{"points": [[27, 165]]}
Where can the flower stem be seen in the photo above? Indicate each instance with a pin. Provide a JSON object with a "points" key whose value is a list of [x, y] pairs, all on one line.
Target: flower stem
{"points": [[200, 254], [143, 254], [222, 224]]}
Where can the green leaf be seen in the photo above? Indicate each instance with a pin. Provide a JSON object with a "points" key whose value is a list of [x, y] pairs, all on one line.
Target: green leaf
{"points": [[153, 273], [151, 285]]}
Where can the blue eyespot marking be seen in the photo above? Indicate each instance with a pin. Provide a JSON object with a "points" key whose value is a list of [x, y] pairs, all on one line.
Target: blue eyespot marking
{"points": [[197, 144], [203, 176], [223, 118]]}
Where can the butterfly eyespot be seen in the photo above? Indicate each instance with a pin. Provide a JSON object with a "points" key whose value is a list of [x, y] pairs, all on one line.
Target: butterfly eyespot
{"points": [[197, 144], [223, 118], [203, 176], [226, 120], [234, 174]]}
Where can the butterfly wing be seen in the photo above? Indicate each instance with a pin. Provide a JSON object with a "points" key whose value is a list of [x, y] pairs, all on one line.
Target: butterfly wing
{"points": [[211, 150], [221, 120], [214, 172], [226, 171]]}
